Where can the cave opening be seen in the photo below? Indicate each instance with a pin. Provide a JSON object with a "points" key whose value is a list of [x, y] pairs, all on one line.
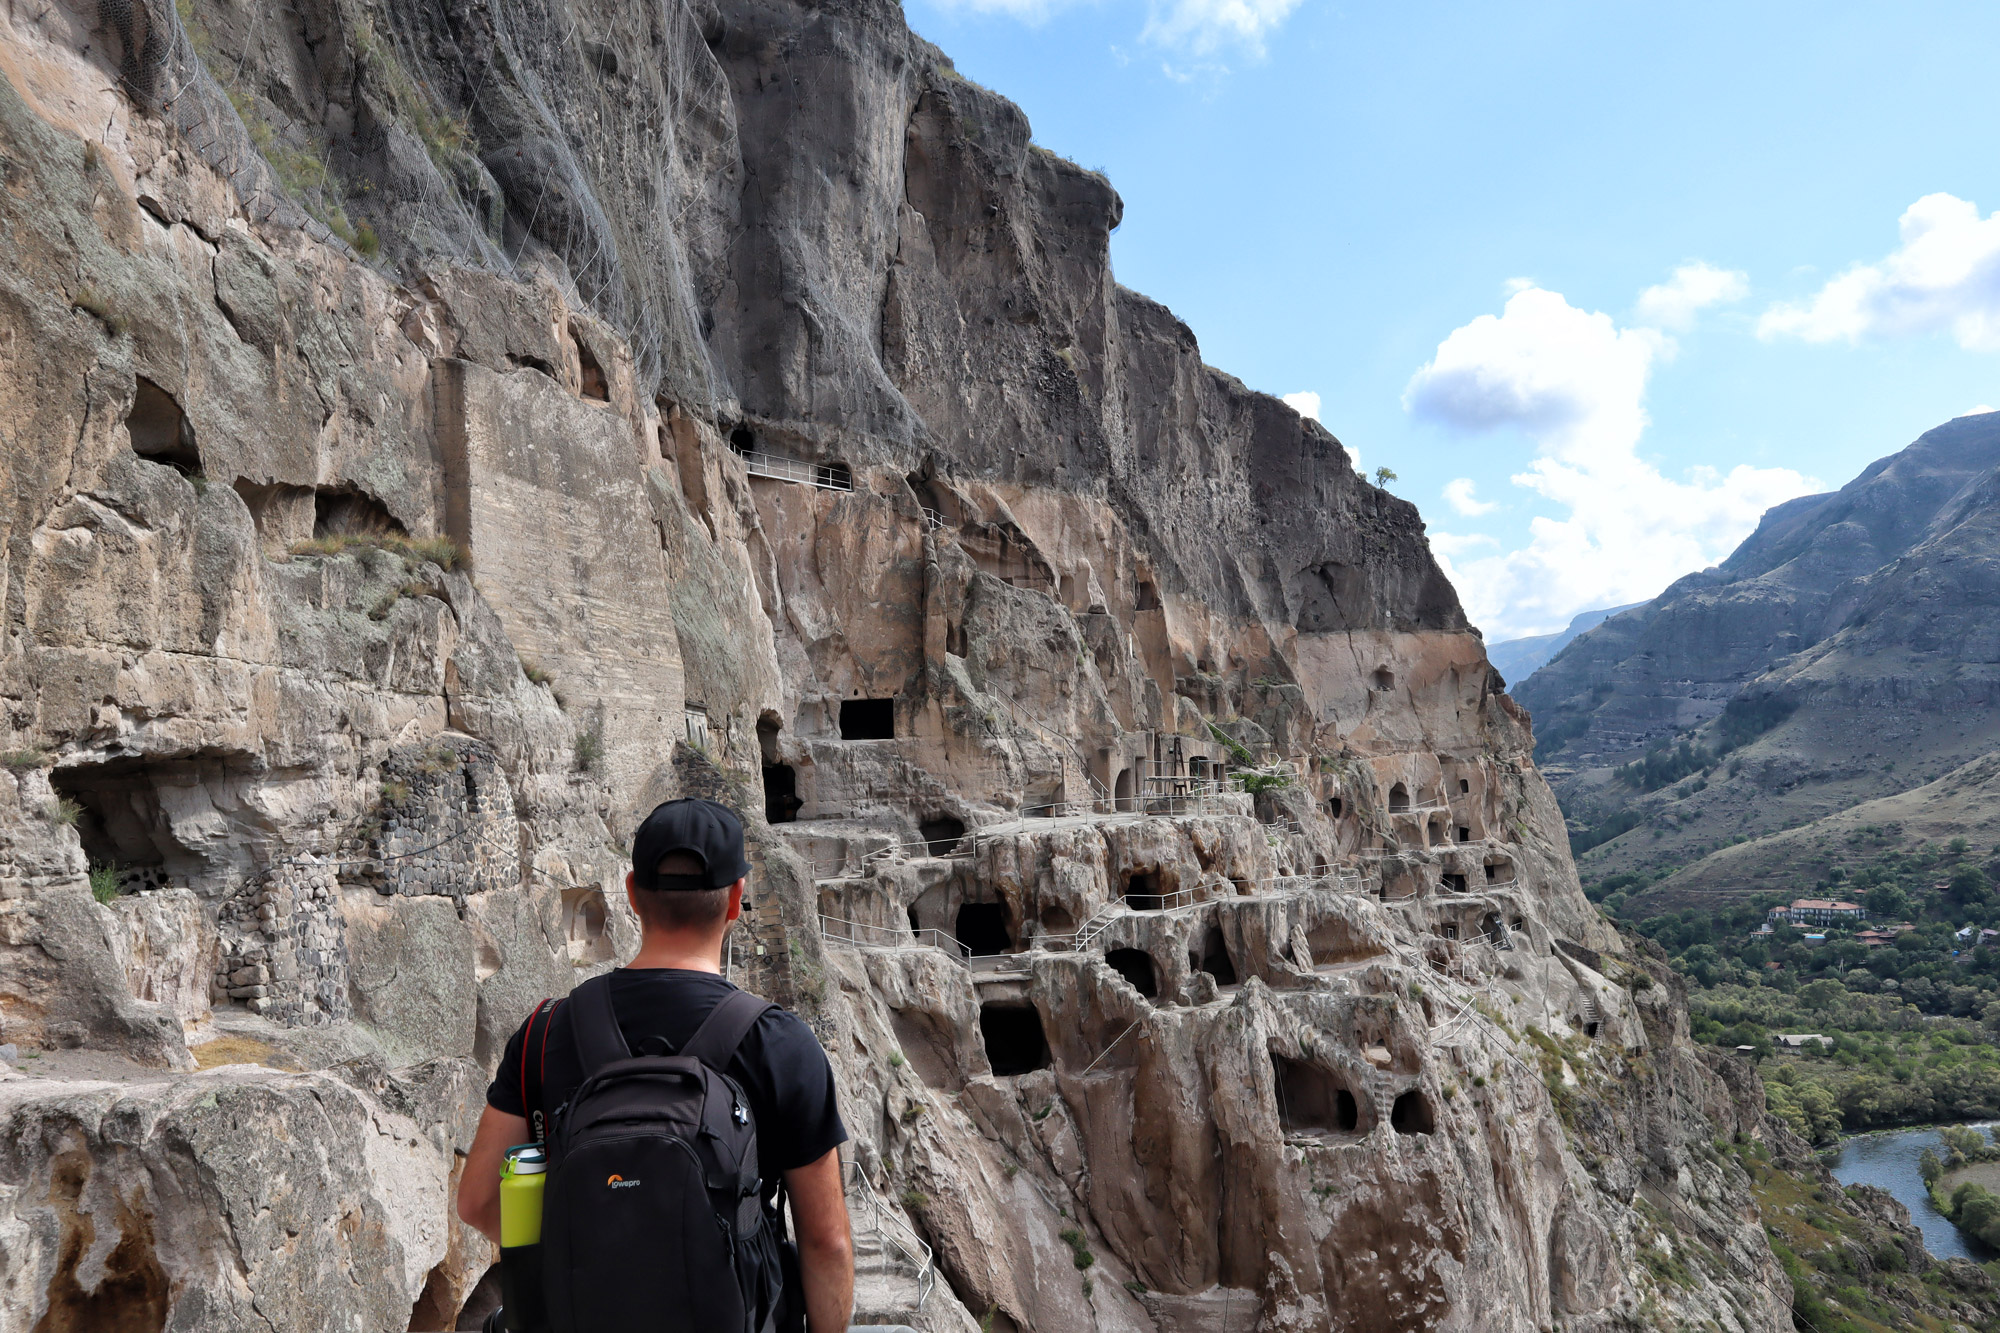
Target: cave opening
{"points": [[585, 925], [743, 440], [833, 477], [1121, 795], [1435, 832], [1215, 958], [1399, 798], [1311, 1099], [591, 381], [1412, 1114], [1336, 807], [1015, 1042], [1057, 921], [1464, 833], [982, 929], [1136, 966], [941, 833], [1142, 891], [344, 511], [1384, 679], [1148, 597], [868, 719], [781, 794], [160, 431], [915, 929], [1464, 786], [1455, 883], [781, 780]]}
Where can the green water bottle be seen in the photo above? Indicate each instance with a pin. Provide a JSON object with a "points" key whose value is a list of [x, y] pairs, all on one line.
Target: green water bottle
{"points": [[522, 1176]]}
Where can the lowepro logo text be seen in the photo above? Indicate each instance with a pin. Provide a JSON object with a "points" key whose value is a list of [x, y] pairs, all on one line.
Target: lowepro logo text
{"points": [[620, 1183]]}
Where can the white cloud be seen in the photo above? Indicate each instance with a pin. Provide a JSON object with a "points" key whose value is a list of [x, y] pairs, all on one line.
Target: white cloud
{"points": [[1978, 411], [1569, 377], [1574, 383], [1305, 404], [1458, 494], [1944, 276], [1203, 26], [1692, 288]]}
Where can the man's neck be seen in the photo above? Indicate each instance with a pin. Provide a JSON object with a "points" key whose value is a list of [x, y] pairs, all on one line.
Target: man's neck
{"points": [[678, 951]]}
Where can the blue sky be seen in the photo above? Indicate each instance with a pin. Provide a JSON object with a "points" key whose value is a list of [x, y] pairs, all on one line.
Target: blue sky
{"points": [[1444, 220]]}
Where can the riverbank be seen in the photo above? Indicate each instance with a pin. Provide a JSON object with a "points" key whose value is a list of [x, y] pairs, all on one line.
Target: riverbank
{"points": [[1889, 1159]]}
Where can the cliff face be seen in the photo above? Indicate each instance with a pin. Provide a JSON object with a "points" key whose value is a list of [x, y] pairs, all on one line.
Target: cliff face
{"points": [[1843, 655], [436, 434]]}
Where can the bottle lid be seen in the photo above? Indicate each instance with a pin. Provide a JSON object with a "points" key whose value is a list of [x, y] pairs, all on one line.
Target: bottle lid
{"points": [[527, 1160]]}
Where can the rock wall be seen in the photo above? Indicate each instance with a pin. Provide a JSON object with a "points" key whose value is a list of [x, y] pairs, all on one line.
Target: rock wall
{"points": [[437, 433]]}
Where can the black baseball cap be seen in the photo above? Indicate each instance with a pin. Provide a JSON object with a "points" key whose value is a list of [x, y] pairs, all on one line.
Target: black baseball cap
{"points": [[705, 830]]}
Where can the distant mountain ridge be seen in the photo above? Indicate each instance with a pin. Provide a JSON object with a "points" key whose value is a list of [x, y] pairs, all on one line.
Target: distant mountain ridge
{"points": [[1517, 659], [1848, 650]]}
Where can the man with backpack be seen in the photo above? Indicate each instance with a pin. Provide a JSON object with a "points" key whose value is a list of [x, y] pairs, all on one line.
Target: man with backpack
{"points": [[673, 1105]]}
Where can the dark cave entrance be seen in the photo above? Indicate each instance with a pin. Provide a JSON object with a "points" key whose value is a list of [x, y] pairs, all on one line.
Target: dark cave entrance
{"points": [[1015, 1043], [341, 511], [868, 719], [1455, 883], [1399, 798], [982, 929], [591, 381], [122, 822], [781, 781], [941, 833], [1412, 1114], [160, 430], [1142, 891], [743, 440], [1215, 958], [781, 794], [1136, 966], [1312, 1100]]}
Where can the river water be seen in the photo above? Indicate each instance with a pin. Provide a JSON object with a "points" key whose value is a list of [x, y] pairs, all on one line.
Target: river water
{"points": [[1889, 1159]]}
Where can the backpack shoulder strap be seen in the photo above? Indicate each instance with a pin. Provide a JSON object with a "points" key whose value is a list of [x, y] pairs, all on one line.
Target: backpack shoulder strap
{"points": [[593, 1025], [715, 1041]]}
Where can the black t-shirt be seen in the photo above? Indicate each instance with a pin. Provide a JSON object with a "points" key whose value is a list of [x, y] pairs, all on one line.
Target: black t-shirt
{"points": [[780, 1065]]}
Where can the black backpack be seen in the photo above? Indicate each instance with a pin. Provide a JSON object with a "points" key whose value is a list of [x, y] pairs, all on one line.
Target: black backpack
{"points": [[653, 1195]]}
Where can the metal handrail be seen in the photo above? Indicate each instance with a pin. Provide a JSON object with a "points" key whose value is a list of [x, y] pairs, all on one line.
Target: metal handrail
{"points": [[1169, 902], [834, 930], [823, 475], [1420, 810], [894, 1231], [933, 520], [901, 849]]}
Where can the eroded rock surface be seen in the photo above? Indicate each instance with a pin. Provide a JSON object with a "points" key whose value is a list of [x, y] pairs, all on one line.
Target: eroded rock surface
{"points": [[436, 434]]}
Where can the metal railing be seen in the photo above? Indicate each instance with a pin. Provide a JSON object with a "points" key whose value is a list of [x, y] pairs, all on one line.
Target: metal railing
{"points": [[920, 847], [1162, 902], [894, 1233], [833, 930], [933, 520], [826, 476], [1086, 934]]}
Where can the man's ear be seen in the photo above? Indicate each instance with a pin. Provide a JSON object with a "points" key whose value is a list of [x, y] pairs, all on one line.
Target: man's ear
{"points": [[632, 892], [735, 901]]}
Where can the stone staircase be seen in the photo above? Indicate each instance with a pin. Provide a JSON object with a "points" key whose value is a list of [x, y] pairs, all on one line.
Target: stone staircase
{"points": [[886, 1289], [893, 1268]]}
